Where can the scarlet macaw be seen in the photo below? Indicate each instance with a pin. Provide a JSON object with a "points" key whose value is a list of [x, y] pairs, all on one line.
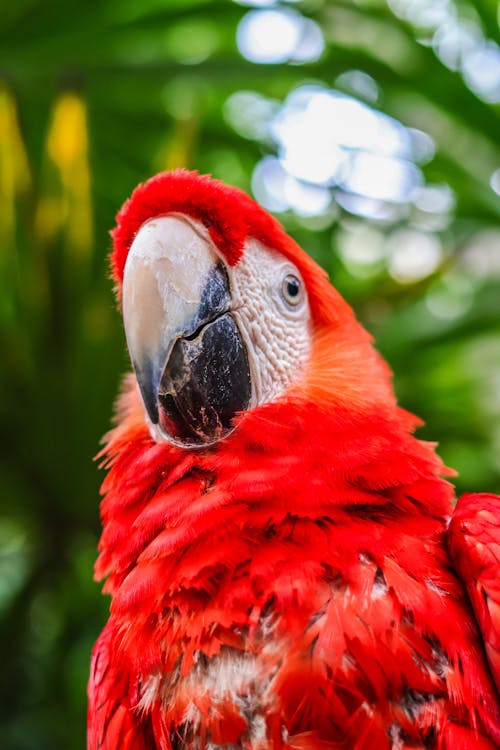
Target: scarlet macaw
{"points": [[276, 542]]}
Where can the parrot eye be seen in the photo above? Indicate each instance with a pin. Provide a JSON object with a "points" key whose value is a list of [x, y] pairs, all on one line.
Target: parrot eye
{"points": [[291, 290]]}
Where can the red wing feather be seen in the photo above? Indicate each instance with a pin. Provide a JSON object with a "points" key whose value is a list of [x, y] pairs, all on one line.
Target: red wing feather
{"points": [[474, 541], [111, 722]]}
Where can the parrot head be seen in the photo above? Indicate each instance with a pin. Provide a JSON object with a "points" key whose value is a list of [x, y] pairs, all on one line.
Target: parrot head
{"points": [[222, 309]]}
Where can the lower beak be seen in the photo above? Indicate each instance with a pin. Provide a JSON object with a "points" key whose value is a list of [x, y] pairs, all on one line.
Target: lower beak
{"points": [[187, 351]]}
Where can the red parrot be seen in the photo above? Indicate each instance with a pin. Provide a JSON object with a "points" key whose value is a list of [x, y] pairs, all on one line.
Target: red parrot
{"points": [[276, 542]]}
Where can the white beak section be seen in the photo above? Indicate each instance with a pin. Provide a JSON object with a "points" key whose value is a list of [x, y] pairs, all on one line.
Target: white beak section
{"points": [[165, 274]]}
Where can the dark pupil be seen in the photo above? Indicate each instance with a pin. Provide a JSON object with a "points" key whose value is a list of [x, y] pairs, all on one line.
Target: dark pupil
{"points": [[292, 287]]}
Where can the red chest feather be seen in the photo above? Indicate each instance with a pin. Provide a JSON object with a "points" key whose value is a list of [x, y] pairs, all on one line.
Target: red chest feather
{"points": [[291, 588]]}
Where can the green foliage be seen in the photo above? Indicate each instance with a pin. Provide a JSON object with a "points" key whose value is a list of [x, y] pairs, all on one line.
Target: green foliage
{"points": [[96, 96]]}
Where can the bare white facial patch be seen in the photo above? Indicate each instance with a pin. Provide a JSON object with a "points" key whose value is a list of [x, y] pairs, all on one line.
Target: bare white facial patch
{"points": [[270, 306]]}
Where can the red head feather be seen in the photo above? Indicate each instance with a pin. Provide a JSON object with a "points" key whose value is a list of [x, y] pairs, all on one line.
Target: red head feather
{"points": [[231, 217]]}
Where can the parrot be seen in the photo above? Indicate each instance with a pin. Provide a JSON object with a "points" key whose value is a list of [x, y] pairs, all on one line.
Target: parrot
{"points": [[287, 565]]}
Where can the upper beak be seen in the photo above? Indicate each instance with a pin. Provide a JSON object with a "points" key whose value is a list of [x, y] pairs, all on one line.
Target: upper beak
{"points": [[187, 352]]}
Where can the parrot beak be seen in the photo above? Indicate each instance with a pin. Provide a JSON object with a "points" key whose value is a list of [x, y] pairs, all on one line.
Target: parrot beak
{"points": [[187, 351]]}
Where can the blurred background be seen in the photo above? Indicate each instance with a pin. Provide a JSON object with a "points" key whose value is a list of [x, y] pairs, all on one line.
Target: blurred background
{"points": [[370, 127]]}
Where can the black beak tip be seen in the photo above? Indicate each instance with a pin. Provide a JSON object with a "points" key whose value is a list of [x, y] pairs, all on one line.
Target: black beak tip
{"points": [[148, 379]]}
